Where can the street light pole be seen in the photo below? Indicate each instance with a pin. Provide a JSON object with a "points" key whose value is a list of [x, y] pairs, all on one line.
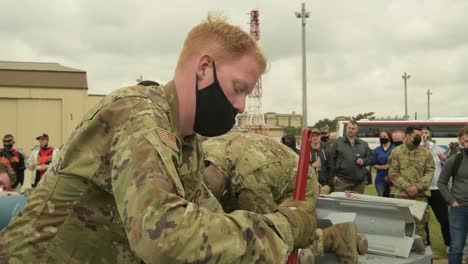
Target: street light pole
{"points": [[303, 15], [405, 78], [429, 93]]}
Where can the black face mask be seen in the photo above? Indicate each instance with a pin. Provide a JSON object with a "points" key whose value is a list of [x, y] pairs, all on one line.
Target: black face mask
{"points": [[417, 140], [7, 146], [214, 114], [324, 138], [384, 141], [397, 143]]}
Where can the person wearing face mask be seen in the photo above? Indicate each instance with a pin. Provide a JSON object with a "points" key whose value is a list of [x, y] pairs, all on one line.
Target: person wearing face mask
{"points": [[380, 160], [13, 158], [128, 185], [411, 170], [41, 158], [398, 137], [326, 140]]}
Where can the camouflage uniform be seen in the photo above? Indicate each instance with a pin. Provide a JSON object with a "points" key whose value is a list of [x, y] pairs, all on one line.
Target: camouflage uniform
{"points": [[261, 171], [412, 166], [261, 174], [127, 188]]}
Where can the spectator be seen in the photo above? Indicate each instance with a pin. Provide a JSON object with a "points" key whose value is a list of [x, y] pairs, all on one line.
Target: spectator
{"points": [[40, 158], [327, 140], [456, 147], [456, 168], [411, 169], [13, 158], [349, 158], [7, 177], [319, 161], [435, 200], [290, 141], [10, 202], [398, 137], [380, 161]]}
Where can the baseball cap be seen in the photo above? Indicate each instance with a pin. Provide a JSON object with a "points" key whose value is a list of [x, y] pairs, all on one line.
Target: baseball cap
{"points": [[315, 130], [43, 135]]}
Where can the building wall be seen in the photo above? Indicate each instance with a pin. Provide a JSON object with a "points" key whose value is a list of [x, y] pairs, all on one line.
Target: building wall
{"points": [[32, 111], [93, 100], [283, 121], [275, 120], [295, 121]]}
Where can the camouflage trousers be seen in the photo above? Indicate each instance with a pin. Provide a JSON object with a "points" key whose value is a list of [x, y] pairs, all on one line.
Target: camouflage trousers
{"points": [[420, 224]]}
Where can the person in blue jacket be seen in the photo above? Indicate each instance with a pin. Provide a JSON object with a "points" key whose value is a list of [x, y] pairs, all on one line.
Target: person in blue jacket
{"points": [[380, 161]]}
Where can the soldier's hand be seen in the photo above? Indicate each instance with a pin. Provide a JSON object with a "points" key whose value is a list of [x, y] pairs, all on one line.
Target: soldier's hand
{"points": [[412, 190], [303, 220]]}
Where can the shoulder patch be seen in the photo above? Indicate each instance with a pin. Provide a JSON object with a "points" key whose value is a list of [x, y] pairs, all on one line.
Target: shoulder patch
{"points": [[168, 138]]}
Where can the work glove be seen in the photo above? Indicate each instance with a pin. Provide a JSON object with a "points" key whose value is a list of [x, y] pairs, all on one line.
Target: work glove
{"points": [[302, 219]]}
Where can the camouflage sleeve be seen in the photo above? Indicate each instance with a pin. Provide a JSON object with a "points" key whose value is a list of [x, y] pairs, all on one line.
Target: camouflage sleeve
{"points": [[429, 169], [258, 199], [163, 227], [394, 172]]}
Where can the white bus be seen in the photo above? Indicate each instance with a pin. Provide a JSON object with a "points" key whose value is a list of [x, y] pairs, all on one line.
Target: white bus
{"points": [[443, 131]]}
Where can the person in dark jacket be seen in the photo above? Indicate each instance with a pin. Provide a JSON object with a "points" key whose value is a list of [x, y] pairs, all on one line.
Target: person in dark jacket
{"points": [[320, 161], [349, 158], [456, 168], [290, 141]]}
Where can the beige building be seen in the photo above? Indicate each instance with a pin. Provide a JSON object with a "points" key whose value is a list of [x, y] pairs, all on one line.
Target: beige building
{"points": [[275, 123], [273, 120], [38, 97]]}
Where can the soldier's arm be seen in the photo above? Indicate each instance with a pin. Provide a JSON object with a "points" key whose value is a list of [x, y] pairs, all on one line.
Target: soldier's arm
{"points": [[395, 173], [257, 199], [444, 178], [425, 182], [163, 227]]}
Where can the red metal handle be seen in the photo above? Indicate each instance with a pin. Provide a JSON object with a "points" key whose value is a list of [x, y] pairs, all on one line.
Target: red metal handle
{"points": [[301, 177]]}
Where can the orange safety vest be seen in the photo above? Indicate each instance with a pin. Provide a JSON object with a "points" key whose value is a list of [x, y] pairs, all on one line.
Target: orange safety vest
{"points": [[44, 157]]}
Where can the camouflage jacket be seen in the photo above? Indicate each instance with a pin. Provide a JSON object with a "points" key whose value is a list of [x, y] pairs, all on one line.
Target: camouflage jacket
{"points": [[410, 167], [261, 171], [127, 188]]}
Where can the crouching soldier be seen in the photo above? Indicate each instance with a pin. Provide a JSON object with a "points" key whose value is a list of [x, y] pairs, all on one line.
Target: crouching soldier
{"points": [[256, 173]]}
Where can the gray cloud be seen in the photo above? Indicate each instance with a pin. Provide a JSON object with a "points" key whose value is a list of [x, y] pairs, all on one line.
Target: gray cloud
{"points": [[357, 50]]}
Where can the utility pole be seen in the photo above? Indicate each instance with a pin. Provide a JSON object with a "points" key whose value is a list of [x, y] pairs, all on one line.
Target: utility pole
{"points": [[429, 93], [303, 15], [405, 78]]}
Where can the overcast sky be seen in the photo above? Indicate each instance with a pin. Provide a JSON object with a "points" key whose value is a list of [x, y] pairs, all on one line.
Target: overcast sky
{"points": [[357, 50]]}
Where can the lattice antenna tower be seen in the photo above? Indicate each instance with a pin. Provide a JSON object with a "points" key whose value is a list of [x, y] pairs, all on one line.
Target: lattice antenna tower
{"points": [[255, 118]]}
